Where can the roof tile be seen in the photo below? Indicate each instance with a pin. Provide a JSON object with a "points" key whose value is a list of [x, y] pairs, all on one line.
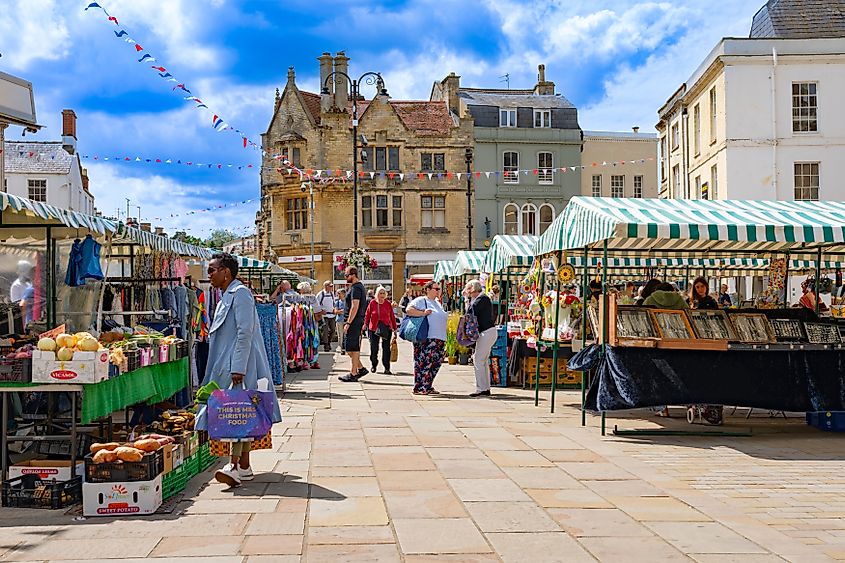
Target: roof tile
{"points": [[44, 157]]}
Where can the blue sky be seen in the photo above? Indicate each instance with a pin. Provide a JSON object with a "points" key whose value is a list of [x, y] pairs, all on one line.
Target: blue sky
{"points": [[618, 61]]}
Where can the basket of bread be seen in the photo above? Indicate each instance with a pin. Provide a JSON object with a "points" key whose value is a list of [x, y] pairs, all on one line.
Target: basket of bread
{"points": [[141, 460]]}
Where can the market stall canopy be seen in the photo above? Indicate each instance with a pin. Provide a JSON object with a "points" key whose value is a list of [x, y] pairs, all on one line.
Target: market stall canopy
{"points": [[469, 262], [19, 210], [153, 241], [509, 250], [443, 269], [692, 227], [245, 262]]}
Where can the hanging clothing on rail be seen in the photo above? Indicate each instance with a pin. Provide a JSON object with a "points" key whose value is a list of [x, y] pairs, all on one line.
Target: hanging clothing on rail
{"points": [[270, 332]]}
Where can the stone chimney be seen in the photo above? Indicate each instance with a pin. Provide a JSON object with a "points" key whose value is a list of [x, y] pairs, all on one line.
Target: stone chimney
{"points": [[451, 85], [85, 179], [148, 227], [543, 87], [159, 231], [326, 100], [636, 129], [69, 130], [341, 90]]}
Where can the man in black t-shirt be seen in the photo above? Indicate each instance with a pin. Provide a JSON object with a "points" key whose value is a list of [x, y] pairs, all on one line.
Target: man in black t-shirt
{"points": [[356, 305]]}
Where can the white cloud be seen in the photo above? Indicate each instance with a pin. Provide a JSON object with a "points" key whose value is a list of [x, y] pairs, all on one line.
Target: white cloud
{"points": [[32, 30], [180, 26], [160, 197], [634, 94]]}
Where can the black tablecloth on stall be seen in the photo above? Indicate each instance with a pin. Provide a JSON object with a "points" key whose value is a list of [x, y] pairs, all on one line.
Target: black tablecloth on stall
{"points": [[789, 380]]}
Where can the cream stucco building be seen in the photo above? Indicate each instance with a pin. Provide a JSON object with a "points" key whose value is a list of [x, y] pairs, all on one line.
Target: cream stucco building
{"points": [[619, 164], [761, 117]]}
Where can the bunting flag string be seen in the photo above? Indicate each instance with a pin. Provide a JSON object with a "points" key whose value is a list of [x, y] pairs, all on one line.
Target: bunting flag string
{"points": [[217, 122], [337, 174]]}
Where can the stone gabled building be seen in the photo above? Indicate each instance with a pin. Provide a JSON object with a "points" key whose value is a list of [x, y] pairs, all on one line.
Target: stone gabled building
{"points": [[412, 205]]}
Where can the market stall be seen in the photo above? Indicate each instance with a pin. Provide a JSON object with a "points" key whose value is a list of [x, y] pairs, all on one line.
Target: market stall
{"points": [[467, 262], [632, 342], [68, 386]]}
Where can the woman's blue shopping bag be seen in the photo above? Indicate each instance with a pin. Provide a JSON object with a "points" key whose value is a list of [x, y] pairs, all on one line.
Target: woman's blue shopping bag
{"points": [[235, 414], [413, 329]]}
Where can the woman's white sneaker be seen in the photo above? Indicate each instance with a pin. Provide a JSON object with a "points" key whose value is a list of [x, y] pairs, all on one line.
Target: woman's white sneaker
{"points": [[246, 474], [229, 475]]}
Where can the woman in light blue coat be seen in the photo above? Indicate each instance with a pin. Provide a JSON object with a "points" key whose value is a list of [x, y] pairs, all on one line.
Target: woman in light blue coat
{"points": [[236, 355]]}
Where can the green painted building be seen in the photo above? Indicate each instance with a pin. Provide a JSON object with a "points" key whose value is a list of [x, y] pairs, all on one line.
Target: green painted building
{"points": [[523, 140]]}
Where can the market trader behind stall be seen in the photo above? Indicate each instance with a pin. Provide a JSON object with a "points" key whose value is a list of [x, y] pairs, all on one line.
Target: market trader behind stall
{"points": [[236, 356], [356, 306]]}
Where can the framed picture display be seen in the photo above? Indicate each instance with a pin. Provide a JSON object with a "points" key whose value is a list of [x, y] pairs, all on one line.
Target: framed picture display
{"points": [[634, 322], [672, 324], [823, 333], [711, 324], [787, 330], [752, 328]]}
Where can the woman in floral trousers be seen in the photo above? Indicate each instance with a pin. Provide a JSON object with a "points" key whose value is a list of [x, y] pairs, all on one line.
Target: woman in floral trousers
{"points": [[428, 354]]}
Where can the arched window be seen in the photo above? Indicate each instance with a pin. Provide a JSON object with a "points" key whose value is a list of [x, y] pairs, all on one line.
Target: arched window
{"points": [[511, 224], [529, 219], [547, 215]]}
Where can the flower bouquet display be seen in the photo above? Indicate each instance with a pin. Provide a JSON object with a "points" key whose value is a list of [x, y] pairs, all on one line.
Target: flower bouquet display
{"points": [[357, 257], [569, 308]]}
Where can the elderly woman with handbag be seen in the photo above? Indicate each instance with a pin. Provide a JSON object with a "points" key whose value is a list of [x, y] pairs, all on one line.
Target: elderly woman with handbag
{"points": [[481, 308], [381, 323], [428, 352]]}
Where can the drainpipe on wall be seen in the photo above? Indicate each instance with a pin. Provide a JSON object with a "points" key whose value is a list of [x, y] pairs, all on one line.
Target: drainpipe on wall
{"points": [[685, 151], [774, 123]]}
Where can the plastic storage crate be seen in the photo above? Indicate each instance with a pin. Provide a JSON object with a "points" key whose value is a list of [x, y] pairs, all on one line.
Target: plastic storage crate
{"points": [[830, 421], [28, 491], [174, 482], [17, 370], [145, 470]]}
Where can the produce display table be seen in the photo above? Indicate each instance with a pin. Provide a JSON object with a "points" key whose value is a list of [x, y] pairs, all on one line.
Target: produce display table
{"points": [[777, 378], [152, 384]]}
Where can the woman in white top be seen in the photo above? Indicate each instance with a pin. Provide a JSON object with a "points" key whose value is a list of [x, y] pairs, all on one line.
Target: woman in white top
{"points": [[428, 354]]}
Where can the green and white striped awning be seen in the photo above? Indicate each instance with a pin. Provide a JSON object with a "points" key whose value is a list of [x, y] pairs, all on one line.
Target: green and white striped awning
{"points": [[160, 243], [469, 262], [443, 269], [66, 217], [509, 250], [690, 227], [246, 262]]}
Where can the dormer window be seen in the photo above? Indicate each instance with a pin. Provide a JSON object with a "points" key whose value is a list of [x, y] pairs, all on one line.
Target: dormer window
{"points": [[542, 118], [507, 118]]}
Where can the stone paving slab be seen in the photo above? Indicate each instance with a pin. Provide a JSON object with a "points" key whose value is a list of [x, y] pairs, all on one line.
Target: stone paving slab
{"points": [[369, 472]]}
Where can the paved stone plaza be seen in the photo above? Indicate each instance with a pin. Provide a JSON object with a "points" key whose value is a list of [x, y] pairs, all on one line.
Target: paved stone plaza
{"points": [[369, 472]]}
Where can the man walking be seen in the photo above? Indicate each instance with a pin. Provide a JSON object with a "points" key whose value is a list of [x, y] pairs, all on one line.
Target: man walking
{"points": [[326, 302], [356, 306]]}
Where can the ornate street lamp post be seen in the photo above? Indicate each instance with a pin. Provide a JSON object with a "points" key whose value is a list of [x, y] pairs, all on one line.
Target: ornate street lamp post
{"points": [[367, 78], [468, 158]]}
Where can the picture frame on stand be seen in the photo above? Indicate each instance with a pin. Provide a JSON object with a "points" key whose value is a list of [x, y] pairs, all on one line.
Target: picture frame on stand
{"points": [[823, 333], [788, 330], [672, 324], [752, 328], [634, 322], [711, 324]]}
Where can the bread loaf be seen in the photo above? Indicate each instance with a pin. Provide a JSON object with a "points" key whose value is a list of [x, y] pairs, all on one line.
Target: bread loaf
{"points": [[104, 456], [148, 445], [107, 446], [129, 454]]}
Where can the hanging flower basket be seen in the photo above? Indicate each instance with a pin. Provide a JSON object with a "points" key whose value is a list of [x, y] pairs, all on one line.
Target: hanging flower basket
{"points": [[356, 257]]}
